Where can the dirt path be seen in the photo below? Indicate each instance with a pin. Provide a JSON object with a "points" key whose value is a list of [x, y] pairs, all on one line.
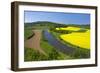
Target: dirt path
{"points": [[34, 42]]}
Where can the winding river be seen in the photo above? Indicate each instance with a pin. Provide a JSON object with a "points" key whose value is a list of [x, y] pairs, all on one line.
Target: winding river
{"points": [[56, 43]]}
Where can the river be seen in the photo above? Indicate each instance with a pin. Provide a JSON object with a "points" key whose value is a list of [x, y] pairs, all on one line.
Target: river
{"points": [[56, 43]]}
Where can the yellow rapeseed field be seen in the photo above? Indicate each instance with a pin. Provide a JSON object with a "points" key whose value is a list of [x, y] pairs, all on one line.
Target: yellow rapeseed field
{"points": [[69, 28], [78, 38]]}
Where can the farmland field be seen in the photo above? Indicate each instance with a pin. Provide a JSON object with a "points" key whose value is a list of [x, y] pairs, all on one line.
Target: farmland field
{"points": [[69, 28], [81, 39]]}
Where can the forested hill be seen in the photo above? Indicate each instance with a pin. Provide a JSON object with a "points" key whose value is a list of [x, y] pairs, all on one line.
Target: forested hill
{"points": [[53, 24]]}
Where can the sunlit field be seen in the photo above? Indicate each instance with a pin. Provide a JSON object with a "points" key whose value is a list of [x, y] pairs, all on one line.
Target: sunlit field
{"points": [[81, 39], [69, 28]]}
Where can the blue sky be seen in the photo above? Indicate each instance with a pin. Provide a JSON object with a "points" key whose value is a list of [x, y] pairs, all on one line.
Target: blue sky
{"points": [[58, 17]]}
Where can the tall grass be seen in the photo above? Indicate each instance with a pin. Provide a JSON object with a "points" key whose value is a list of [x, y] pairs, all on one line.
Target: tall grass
{"points": [[28, 33]]}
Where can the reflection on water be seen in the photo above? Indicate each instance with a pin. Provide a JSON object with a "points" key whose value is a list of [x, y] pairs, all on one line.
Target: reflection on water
{"points": [[56, 43]]}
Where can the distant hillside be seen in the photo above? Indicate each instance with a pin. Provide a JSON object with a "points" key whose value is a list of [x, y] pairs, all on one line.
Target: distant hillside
{"points": [[44, 23], [81, 26], [53, 24]]}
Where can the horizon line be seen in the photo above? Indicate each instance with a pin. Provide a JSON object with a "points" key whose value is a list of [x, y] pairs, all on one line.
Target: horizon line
{"points": [[57, 23]]}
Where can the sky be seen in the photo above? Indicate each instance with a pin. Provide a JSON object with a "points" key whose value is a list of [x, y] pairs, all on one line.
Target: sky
{"points": [[58, 17]]}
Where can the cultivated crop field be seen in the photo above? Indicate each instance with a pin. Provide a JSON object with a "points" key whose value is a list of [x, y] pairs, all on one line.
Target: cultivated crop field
{"points": [[69, 28], [81, 39]]}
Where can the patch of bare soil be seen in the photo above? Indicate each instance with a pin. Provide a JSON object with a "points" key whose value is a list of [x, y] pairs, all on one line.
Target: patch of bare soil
{"points": [[34, 42]]}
